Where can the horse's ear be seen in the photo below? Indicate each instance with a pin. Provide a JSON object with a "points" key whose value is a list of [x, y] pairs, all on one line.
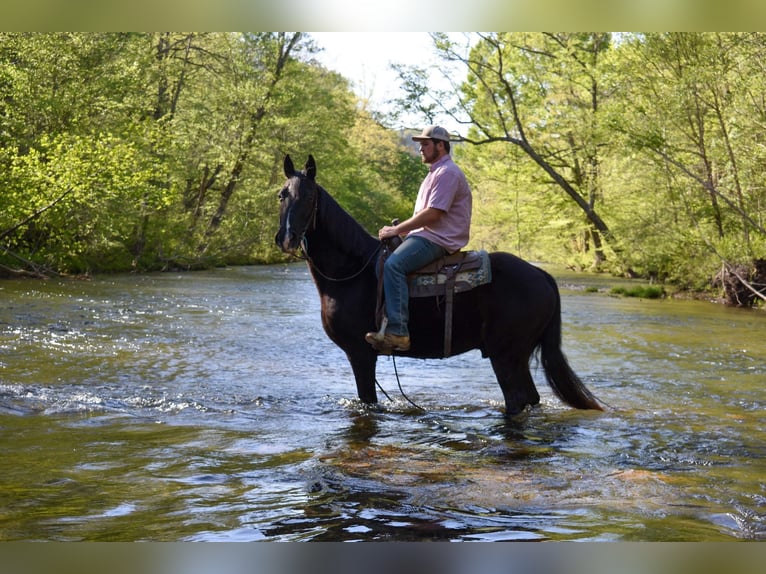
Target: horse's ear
{"points": [[311, 168], [289, 167]]}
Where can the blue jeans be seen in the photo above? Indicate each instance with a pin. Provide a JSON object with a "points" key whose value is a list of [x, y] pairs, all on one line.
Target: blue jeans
{"points": [[410, 256]]}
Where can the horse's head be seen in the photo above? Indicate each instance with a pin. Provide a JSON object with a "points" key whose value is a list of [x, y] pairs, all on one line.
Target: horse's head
{"points": [[297, 205]]}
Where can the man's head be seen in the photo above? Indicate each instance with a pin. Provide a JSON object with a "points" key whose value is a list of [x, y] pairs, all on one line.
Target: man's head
{"points": [[434, 143]]}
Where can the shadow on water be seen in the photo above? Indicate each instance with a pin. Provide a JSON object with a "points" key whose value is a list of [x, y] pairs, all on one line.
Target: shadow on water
{"points": [[211, 406]]}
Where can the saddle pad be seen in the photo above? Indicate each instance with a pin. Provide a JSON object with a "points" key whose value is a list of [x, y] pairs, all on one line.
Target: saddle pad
{"points": [[472, 271]]}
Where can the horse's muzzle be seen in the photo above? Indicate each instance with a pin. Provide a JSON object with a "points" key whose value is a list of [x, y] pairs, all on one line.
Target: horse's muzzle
{"points": [[288, 242]]}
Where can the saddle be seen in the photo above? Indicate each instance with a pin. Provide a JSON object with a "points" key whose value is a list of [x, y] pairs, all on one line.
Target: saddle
{"points": [[455, 273]]}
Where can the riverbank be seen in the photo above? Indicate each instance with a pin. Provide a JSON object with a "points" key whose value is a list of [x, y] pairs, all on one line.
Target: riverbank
{"points": [[589, 282]]}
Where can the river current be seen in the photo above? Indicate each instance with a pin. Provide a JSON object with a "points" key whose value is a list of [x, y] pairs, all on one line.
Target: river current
{"points": [[210, 406]]}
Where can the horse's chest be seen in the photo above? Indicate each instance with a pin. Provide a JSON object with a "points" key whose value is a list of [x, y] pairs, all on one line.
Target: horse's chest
{"points": [[329, 306]]}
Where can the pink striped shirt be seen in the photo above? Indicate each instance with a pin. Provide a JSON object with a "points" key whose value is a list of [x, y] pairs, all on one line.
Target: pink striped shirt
{"points": [[446, 188]]}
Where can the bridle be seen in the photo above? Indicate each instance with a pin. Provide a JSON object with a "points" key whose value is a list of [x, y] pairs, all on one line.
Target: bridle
{"points": [[312, 220]]}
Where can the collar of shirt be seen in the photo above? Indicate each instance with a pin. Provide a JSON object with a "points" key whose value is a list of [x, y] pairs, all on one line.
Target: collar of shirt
{"points": [[446, 157]]}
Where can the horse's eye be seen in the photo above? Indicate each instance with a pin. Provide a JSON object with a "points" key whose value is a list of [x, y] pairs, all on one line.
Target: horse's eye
{"points": [[283, 194]]}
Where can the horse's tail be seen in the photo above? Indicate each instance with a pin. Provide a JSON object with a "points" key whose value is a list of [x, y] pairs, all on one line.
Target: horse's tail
{"points": [[562, 379]]}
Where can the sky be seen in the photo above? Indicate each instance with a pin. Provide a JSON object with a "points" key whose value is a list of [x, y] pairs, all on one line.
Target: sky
{"points": [[365, 59]]}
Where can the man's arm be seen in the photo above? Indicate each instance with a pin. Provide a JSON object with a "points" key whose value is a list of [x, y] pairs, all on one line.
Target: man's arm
{"points": [[428, 216]]}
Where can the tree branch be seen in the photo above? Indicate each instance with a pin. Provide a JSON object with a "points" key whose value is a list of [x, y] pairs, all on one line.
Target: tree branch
{"points": [[744, 282], [35, 215]]}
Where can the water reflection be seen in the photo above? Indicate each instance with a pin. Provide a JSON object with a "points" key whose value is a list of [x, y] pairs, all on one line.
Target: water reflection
{"points": [[364, 427]]}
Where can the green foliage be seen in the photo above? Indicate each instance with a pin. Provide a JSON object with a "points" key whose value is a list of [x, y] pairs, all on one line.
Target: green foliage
{"points": [[643, 150], [544, 95], [156, 151], [639, 154]]}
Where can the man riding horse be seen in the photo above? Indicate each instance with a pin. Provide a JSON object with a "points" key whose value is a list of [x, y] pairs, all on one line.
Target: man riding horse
{"points": [[440, 225]]}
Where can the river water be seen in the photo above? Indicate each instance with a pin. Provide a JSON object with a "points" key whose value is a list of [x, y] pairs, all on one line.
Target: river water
{"points": [[210, 406]]}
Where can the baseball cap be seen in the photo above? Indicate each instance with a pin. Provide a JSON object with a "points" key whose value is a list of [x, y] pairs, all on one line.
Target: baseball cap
{"points": [[432, 133]]}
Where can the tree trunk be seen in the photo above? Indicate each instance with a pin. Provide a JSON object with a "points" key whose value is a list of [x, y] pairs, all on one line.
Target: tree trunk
{"points": [[287, 43]]}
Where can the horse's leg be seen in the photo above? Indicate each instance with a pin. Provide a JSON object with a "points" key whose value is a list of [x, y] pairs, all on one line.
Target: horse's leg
{"points": [[363, 363], [512, 372]]}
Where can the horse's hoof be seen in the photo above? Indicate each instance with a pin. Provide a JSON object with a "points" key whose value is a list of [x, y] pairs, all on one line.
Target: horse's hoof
{"points": [[516, 414]]}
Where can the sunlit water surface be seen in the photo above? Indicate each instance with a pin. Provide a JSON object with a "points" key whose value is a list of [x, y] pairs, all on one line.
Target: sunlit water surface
{"points": [[211, 406]]}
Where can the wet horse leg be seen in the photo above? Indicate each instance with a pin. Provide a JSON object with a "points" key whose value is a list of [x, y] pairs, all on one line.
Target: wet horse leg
{"points": [[515, 380], [363, 363]]}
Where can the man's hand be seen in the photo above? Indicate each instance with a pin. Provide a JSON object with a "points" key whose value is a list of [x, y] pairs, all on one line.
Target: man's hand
{"points": [[387, 232]]}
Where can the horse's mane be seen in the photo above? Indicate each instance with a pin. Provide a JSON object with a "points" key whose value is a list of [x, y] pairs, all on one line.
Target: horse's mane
{"points": [[346, 232]]}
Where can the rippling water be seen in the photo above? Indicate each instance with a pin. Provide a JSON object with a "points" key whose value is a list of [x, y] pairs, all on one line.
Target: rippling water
{"points": [[211, 406]]}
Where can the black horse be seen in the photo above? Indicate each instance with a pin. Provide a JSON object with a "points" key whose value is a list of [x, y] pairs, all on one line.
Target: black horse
{"points": [[509, 318]]}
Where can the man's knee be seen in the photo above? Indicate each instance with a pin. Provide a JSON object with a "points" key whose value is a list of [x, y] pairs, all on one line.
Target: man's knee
{"points": [[393, 265]]}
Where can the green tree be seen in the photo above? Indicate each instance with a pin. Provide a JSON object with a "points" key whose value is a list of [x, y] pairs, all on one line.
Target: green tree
{"points": [[155, 150], [542, 93], [698, 118], [61, 120]]}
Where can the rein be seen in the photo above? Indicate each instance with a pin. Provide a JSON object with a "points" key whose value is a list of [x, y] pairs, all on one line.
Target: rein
{"points": [[307, 257]]}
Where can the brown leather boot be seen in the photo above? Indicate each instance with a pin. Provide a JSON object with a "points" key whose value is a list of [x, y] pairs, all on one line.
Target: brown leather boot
{"points": [[388, 343]]}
